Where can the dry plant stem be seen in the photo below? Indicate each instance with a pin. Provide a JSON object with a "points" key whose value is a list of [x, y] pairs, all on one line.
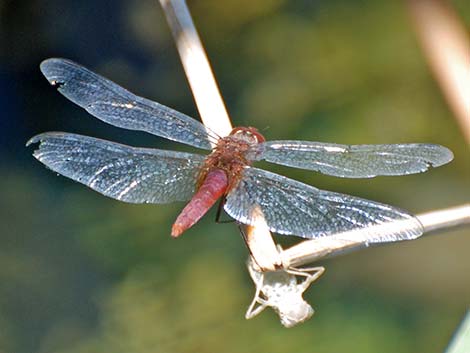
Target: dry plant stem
{"points": [[264, 252], [460, 343], [197, 68], [315, 249], [444, 219], [446, 45], [210, 105]]}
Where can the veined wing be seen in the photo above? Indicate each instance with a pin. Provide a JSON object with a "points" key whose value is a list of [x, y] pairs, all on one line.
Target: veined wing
{"points": [[354, 161], [136, 175], [116, 106], [291, 207]]}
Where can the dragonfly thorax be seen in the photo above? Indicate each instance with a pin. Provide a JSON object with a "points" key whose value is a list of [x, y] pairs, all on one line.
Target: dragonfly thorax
{"points": [[230, 154]]}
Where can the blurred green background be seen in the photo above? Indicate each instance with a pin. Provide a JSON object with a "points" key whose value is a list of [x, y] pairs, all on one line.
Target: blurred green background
{"points": [[83, 273]]}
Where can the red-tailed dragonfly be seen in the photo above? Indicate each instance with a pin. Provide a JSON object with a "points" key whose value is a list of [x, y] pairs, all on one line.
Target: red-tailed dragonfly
{"points": [[145, 175]]}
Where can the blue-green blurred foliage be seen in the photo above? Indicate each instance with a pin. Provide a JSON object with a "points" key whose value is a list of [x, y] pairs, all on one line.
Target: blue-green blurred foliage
{"points": [[83, 273]]}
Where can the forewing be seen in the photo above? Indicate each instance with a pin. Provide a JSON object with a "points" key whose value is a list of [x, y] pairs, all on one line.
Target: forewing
{"points": [[354, 161], [116, 106], [136, 175], [291, 207]]}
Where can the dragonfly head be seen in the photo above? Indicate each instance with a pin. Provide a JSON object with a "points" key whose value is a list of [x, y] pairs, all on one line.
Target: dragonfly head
{"points": [[248, 134]]}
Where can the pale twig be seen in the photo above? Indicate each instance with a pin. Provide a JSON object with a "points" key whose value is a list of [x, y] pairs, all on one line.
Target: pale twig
{"points": [[460, 343], [197, 68], [315, 249], [446, 46], [210, 105]]}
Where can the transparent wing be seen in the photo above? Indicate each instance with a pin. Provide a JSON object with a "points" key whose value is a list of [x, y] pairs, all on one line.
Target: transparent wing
{"points": [[116, 106], [354, 161], [291, 207], [136, 175]]}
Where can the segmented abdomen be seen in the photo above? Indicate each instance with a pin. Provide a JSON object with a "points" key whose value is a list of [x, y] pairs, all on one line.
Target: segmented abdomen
{"points": [[212, 188]]}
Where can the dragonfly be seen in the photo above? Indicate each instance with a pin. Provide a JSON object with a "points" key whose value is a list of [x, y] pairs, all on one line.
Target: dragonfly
{"points": [[147, 175]]}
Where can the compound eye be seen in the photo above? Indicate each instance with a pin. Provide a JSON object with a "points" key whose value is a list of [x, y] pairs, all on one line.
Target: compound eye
{"points": [[236, 131], [258, 137]]}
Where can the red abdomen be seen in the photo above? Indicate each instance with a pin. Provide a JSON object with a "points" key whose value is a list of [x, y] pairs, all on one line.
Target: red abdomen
{"points": [[212, 188]]}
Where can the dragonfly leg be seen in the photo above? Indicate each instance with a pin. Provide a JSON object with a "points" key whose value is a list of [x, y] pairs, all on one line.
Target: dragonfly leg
{"points": [[218, 215], [311, 274], [245, 240], [252, 311], [263, 304], [307, 271]]}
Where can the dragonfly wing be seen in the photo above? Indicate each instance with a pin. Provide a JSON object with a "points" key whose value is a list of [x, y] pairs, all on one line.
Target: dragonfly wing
{"points": [[135, 175], [115, 105], [354, 161], [291, 207]]}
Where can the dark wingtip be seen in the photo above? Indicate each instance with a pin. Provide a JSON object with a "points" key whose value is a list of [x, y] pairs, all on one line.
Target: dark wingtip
{"points": [[34, 139], [46, 135], [41, 137], [52, 69]]}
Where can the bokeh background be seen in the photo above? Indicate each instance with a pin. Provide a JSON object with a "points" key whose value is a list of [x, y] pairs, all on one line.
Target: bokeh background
{"points": [[83, 273]]}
